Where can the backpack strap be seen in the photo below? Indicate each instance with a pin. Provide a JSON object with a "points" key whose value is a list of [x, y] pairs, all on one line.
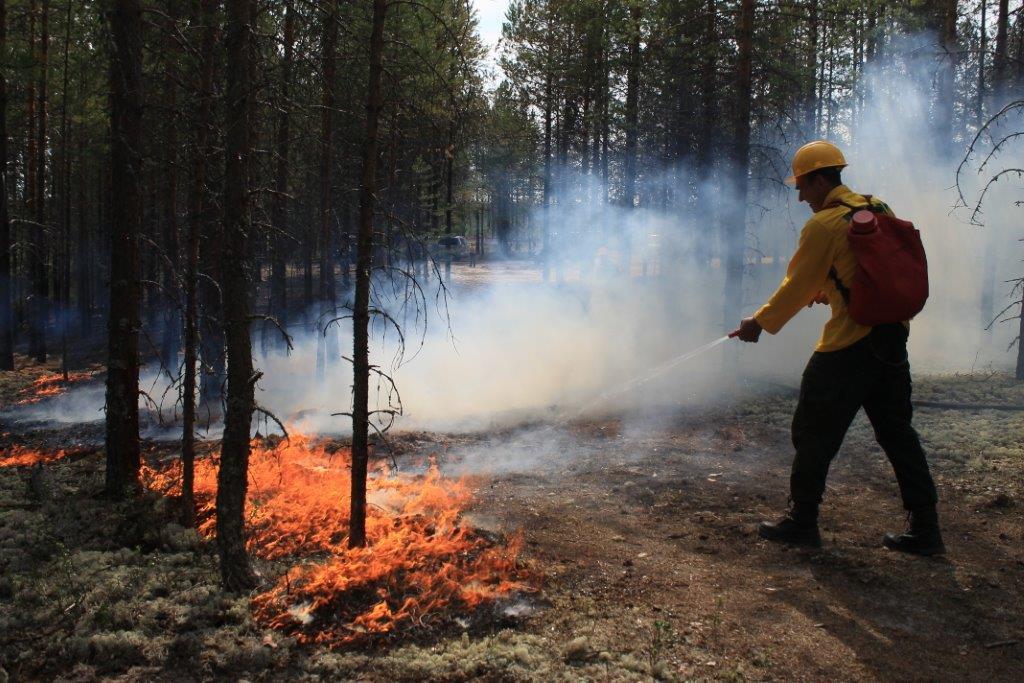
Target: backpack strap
{"points": [[869, 206], [843, 290]]}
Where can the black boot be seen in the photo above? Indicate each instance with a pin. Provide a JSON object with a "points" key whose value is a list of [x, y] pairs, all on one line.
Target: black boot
{"points": [[799, 527], [922, 536]]}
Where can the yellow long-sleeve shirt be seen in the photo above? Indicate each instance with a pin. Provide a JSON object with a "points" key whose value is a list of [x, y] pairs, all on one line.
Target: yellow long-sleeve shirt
{"points": [[823, 244]]}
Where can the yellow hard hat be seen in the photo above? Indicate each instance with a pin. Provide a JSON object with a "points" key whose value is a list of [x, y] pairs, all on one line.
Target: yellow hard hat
{"points": [[815, 155]]}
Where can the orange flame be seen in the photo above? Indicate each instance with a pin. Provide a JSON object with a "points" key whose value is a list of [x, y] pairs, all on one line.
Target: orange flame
{"points": [[20, 456], [421, 557], [50, 384]]}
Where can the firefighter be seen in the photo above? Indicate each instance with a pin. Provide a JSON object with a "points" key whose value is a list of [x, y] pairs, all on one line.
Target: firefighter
{"points": [[852, 367]]}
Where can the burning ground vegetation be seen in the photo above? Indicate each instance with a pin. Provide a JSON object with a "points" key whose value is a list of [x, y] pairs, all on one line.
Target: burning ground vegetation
{"points": [[30, 383], [424, 570], [635, 557]]}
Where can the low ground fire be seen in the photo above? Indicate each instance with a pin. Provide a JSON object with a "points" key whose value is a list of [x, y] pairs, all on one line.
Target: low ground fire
{"points": [[16, 456], [50, 384], [422, 560]]}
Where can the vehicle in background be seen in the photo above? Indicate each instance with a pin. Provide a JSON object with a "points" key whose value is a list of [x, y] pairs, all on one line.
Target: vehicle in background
{"points": [[455, 246]]}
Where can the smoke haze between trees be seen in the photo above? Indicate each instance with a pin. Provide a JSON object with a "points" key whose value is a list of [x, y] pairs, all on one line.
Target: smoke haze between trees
{"points": [[518, 349]]}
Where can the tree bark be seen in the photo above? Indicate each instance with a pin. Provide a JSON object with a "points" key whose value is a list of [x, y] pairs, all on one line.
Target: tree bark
{"points": [[449, 179], [999, 77], [946, 90], [547, 176], [199, 209], [6, 307], [40, 286], [211, 337], [1001, 57], [63, 259], [171, 339], [122, 439], [810, 123], [279, 207], [232, 477], [735, 223], [632, 128], [708, 130], [83, 264], [364, 264], [327, 339]]}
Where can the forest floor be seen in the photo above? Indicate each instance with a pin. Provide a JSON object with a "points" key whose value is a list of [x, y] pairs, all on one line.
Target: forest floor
{"points": [[644, 533]]}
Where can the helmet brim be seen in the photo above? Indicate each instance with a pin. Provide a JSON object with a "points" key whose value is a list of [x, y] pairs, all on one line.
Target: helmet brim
{"points": [[791, 180]]}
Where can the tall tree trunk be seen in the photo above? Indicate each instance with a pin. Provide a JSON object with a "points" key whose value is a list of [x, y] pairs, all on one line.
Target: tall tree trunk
{"points": [[810, 124], [999, 78], [40, 286], [232, 476], [708, 129], [547, 176], [871, 48], [83, 264], [126, 167], [632, 127], [211, 240], [735, 223], [449, 177], [979, 103], [279, 207], [171, 339], [1001, 57], [6, 307], [199, 209], [327, 337], [946, 90], [63, 261], [30, 154], [364, 264]]}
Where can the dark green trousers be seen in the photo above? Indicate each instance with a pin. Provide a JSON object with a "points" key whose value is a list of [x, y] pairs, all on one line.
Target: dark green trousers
{"points": [[873, 374]]}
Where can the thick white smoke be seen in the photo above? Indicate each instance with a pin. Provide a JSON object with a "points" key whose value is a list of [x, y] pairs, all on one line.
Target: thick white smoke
{"points": [[518, 348]]}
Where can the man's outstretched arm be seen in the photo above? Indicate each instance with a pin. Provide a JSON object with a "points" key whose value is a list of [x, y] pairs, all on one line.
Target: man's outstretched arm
{"points": [[807, 272]]}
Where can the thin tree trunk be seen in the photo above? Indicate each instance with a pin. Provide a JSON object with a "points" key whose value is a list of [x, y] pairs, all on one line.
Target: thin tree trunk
{"points": [[198, 210], [279, 207], [449, 175], [735, 224], [872, 38], [979, 104], [232, 476], [6, 307], [327, 338], [632, 127], [171, 340], [63, 261], [547, 176], [999, 77], [1001, 57], [364, 264], [706, 138], [810, 123], [84, 264], [122, 440], [211, 240], [30, 168], [40, 286]]}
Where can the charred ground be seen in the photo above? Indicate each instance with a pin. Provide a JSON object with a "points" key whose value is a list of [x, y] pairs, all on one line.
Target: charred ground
{"points": [[644, 533]]}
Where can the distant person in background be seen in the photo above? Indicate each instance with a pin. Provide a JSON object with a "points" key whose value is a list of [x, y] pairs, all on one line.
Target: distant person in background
{"points": [[853, 366]]}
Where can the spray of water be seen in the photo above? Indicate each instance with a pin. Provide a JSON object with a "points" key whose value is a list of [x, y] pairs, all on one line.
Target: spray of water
{"points": [[650, 375]]}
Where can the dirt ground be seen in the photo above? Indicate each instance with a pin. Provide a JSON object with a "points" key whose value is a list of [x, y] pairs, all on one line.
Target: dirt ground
{"points": [[644, 532]]}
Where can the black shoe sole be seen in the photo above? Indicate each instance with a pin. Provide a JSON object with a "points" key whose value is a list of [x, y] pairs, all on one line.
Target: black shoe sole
{"points": [[923, 552], [768, 534]]}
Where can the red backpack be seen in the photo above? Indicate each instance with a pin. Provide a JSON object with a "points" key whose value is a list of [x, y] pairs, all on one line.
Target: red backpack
{"points": [[890, 284]]}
